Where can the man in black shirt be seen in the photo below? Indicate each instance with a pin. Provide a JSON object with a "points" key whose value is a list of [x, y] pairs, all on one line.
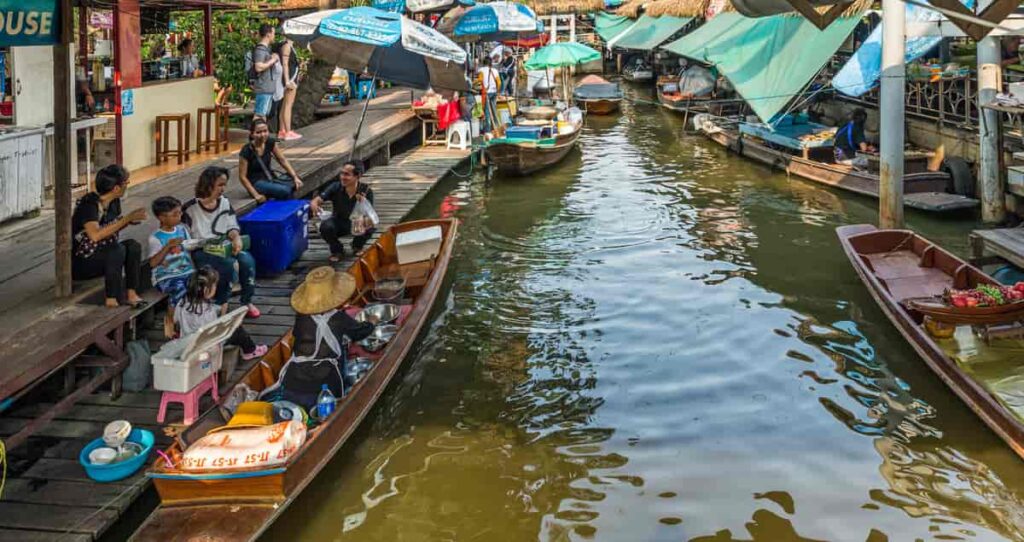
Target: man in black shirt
{"points": [[849, 140], [344, 194], [507, 70]]}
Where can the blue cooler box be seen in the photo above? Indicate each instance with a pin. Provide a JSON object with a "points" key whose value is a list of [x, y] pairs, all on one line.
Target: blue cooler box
{"points": [[278, 234]]}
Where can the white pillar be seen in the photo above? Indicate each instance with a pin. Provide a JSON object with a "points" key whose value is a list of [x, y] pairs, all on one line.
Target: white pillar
{"points": [[990, 185], [572, 27], [554, 28], [891, 126]]}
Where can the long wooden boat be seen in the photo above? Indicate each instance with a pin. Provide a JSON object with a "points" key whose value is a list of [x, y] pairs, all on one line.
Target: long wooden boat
{"points": [[924, 190], [597, 96], [524, 157], [898, 265], [240, 504]]}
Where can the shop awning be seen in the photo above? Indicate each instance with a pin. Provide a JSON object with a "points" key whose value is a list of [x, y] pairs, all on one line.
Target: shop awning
{"points": [[769, 60], [649, 32], [693, 45], [608, 26]]}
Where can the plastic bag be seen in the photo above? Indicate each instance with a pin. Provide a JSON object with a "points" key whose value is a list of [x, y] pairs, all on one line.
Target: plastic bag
{"points": [[364, 218], [696, 81]]}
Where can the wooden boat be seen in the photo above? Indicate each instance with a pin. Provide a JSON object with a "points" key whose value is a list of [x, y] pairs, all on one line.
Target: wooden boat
{"points": [[240, 504], [898, 265], [638, 72], [923, 190], [597, 96], [514, 157]]}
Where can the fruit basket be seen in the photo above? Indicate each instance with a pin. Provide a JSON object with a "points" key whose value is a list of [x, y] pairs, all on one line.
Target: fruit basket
{"points": [[984, 305]]}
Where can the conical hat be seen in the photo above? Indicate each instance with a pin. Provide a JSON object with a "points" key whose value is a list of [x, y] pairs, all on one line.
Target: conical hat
{"points": [[324, 289]]}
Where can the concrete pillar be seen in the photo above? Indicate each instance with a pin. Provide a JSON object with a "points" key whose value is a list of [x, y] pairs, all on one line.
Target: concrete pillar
{"points": [[990, 182], [554, 28], [891, 125], [572, 27]]}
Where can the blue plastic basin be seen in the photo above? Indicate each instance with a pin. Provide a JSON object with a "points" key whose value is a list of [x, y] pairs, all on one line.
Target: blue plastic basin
{"points": [[122, 470]]}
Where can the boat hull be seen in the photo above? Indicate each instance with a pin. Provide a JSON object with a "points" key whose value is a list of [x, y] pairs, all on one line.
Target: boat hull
{"points": [[924, 191], [263, 495], [520, 159], [854, 240], [603, 106]]}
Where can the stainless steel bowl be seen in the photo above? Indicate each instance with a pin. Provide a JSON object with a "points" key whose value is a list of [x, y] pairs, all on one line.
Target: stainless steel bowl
{"points": [[378, 313], [357, 368], [389, 289], [379, 338]]}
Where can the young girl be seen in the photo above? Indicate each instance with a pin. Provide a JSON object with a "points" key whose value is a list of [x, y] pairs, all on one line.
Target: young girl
{"points": [[197, 309]]}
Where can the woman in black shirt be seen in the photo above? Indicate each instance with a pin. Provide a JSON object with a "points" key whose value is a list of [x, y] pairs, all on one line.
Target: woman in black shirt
{"points": [[255, 170], [344, 194], [96, 250]]}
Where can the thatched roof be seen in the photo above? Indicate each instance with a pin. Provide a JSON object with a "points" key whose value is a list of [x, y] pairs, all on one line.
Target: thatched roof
{"points": [[676, 8], [551, 7], [631, 8], [697, 8]]}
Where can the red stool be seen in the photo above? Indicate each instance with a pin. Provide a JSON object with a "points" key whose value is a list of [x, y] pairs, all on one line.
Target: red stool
{"points": [[189, 399]]}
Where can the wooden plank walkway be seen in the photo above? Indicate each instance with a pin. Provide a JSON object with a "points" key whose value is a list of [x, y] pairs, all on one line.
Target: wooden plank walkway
{"points": [[27, 275], [1002, 243], [48, 496]]}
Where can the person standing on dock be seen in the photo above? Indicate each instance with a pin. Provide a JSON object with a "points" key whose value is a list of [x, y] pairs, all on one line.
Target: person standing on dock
{"points": [[509, 67], [490, 83], [343, 194], [262, 75]]}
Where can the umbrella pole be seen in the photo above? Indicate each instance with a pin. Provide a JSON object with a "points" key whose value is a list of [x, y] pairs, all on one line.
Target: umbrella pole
{"points": [[362, 117]]}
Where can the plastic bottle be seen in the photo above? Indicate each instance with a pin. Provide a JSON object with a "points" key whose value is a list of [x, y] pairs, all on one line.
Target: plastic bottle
{"points": [[325, 403]]}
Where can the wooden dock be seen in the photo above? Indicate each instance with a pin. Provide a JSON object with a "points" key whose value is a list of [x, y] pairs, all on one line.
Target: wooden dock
{"points": [[48, 496], [998, 244]]}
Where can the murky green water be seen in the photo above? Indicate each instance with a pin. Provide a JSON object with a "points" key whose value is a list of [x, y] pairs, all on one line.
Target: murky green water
{"points": [[659, 341]]}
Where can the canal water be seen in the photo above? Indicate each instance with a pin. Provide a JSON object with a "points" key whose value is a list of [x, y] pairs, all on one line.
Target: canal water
{"points": [[656, 340]]}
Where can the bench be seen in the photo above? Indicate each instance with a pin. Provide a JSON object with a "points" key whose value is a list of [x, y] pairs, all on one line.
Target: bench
{"points": [[57, 342]]}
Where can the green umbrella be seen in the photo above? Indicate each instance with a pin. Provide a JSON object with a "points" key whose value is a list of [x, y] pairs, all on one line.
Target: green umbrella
{"points": [[559, 55]]}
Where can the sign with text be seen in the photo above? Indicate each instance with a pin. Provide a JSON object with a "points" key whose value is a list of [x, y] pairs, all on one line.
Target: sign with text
{"points": [[28, 22], [127, 103]]}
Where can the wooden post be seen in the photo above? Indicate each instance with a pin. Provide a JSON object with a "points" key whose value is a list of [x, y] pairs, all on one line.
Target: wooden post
{"points": [[891, 96], [990, 185], [208, 38], [62, 150], [83, 36]]}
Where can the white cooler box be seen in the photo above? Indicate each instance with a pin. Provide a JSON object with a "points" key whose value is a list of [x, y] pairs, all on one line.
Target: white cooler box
{"points": [[182, 363], [418, 245]]}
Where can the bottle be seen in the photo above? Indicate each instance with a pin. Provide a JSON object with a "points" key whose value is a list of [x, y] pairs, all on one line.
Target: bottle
{"points": [[325, 403]]}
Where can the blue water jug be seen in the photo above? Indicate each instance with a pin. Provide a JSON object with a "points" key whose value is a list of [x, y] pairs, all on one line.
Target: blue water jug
{"points": [[325, 403]]}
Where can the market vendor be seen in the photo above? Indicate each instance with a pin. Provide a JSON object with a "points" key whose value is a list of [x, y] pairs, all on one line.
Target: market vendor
{"points": [[190, 65], [322, 331], [850, 139]]}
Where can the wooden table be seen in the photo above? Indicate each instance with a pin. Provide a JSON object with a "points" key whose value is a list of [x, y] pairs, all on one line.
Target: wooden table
{"points": [[57, 343]]}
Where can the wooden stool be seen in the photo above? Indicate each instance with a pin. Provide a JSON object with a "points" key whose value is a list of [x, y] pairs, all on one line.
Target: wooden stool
{"points": [[217, 118], [189, 399], [163, 135]]}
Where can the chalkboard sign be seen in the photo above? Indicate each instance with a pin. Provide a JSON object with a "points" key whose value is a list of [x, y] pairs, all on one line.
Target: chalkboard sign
{"points": [[28, 22]]}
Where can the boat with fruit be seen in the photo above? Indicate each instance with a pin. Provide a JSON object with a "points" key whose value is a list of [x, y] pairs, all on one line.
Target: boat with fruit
{"points": [[900, 267], [985, 304], [206, 500]]}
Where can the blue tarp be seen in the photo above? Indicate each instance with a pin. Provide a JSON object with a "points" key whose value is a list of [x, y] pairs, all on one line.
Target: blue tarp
{"points": [[862, 71]]}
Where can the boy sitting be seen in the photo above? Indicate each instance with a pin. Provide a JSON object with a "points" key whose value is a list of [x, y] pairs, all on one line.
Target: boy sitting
{"points": [[170, 260]]}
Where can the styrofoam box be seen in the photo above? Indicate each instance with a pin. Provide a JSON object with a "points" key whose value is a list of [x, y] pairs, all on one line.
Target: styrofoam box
{"points": [[170, 373], [418, 245]]}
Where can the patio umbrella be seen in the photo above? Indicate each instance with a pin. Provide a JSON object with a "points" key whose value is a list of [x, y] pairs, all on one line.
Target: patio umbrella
{"points": [[385, 44], [558, 55], [423, 6], [497, 21]]}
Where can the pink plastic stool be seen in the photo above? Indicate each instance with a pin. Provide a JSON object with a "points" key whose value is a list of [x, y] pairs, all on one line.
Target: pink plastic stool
{"points": [[189, 399]]}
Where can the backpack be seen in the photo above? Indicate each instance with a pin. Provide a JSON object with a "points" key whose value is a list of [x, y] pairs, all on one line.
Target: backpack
{"points": [[250, 66]]}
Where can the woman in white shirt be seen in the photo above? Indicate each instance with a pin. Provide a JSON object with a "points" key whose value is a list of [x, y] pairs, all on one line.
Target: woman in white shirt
{"points": [[190, 66], [210, 217], [490, 83]]}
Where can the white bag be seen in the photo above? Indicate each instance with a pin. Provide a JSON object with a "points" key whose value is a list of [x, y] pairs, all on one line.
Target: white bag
{"points": [[364, 218]]}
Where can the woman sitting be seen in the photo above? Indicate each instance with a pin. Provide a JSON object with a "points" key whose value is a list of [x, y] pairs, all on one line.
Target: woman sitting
{"points": [[96, 250], [322, 332], [255, 166], [212, 221]]}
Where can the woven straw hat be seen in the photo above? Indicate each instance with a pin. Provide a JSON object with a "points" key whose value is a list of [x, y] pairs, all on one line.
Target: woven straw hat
{"points": [[324, 289]]}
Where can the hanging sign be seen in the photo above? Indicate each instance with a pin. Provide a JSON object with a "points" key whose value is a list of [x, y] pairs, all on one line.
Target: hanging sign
{"points": [[28, 22], [101, 19], [127, 103]]}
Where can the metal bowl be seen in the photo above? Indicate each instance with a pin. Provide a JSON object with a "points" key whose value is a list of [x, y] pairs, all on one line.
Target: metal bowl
{"points": [[379, 338], [389, 289], [357, 368], [378, 313]]}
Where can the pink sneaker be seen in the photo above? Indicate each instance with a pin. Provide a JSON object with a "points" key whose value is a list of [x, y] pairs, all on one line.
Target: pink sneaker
{"points": [[292, 136], [253, 312], [258, 352]]}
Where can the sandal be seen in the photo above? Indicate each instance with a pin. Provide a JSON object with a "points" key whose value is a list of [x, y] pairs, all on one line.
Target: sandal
{"points": [[258, 352], [253, 312], [334, 258]]}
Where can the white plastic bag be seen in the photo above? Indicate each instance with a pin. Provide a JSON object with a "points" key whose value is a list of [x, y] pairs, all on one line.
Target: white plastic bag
{"points": [[364, 218]]}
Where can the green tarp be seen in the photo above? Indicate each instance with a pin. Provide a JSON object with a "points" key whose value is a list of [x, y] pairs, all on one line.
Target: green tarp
{"points": [[650, 32], [608, 26], [769, 60]]}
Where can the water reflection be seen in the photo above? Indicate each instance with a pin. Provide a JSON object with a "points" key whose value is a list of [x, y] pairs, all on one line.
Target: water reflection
{"points": [[658, 341]]}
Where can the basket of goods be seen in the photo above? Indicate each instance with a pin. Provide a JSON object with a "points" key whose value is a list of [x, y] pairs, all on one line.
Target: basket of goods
{"points": [[985, 304]]}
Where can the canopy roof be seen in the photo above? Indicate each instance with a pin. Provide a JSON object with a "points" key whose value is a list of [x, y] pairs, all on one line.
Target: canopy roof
{"points": [[769, 60], [608, 26], [552, 7], [649, 32]]}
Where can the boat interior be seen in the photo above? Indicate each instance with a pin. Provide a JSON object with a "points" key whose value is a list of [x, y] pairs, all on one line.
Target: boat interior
{"points": [[375, 269]]}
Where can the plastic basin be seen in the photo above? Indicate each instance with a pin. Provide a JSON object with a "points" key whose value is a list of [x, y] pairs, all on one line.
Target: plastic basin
{"points": [[122, 470]]}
